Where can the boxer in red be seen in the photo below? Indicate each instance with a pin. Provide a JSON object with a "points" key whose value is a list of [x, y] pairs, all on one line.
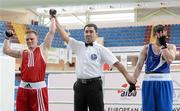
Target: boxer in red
{"points": [[32, 92]]}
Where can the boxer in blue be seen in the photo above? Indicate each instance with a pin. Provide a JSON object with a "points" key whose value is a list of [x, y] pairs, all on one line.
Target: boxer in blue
{"points": [[157, 86]]}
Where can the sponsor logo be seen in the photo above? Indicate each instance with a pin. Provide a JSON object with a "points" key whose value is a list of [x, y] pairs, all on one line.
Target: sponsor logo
{"points": [[124, 91], [28, 86]]}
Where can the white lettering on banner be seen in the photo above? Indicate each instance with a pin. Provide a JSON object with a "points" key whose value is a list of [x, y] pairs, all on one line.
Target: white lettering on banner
{"points": [[122, 109], [131, 109]]}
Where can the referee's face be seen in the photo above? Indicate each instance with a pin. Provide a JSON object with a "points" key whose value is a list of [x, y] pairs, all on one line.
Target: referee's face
{"points": [[90, 34]]}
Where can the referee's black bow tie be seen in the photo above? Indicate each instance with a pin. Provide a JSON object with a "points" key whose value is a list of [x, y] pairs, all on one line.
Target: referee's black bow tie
{"points": [[88, 44]]}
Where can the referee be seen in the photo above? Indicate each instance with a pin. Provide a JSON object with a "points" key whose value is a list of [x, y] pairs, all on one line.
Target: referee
{"points": [[91, 56]]}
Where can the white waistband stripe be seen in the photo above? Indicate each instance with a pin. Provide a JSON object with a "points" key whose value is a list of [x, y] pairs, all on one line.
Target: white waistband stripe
{"points": [[157, 77], [32, 85]]}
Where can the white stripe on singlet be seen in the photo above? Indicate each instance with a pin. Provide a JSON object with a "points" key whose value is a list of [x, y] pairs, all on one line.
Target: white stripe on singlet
{"points": [[40, 99], [30, 59]]}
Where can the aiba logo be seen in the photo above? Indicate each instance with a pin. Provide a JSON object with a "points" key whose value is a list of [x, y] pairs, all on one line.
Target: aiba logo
{"points": [[124, 91]]}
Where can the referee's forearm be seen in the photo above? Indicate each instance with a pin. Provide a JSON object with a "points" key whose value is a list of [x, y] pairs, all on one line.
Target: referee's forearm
{"points": [[121, 68]]}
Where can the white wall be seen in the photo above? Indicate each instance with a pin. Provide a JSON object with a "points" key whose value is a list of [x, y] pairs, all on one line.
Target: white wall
{"points": [[7, 81]]}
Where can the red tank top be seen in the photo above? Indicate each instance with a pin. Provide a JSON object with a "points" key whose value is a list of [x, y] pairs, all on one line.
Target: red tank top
{"points": [[33, 66]]}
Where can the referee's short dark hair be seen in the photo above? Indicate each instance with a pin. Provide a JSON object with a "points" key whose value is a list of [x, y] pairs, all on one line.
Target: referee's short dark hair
{"points": [[91, 25]]}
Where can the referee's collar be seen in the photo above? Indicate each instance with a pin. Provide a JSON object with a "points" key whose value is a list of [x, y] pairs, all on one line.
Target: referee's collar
{"points": [[94, 43], [88, 44]]}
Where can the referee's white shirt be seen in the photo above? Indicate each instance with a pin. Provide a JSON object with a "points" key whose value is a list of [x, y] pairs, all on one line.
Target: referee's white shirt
{"points": [[90, 60]]}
